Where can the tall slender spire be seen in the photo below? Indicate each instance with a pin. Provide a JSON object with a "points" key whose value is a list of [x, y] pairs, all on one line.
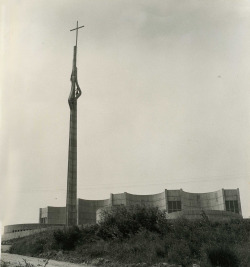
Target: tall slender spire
{"points": [[75, 93]]}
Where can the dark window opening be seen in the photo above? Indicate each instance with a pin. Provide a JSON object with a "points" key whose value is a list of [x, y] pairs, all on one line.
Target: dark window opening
{"points": [[174, 206], [43, 220], [232, 205]]}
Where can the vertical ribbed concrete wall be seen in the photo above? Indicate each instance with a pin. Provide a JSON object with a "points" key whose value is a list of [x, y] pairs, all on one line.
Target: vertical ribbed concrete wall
{"points": [[157, 200], [206, 201], [174, 195], [174, 202], [87, 210], [43, 215], [119, 199], [53, 215], [71, 202], [233, 195]]}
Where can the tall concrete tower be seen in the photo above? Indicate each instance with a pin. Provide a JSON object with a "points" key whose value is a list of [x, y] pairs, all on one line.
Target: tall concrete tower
{"points": [[75, 93]]}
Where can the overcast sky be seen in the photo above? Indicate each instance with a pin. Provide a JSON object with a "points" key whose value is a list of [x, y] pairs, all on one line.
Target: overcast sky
{"points": [[165, 99]]}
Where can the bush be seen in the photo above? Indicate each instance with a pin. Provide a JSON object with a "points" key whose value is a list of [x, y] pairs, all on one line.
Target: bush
{"points": [[180, 253], [129, 235], [3, 264], [124, 221], [144, 246], [223, 256], [29, 246], [68, 238], [88, 234], [243, 254]]}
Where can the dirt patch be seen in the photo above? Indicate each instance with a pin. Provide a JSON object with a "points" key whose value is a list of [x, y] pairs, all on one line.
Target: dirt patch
{"points": [[5, 248], [13, 260]]}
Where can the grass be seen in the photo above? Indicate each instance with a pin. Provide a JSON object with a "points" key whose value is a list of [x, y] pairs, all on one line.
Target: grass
{"points": [[4, 263], [26, 264], [137, 234]]}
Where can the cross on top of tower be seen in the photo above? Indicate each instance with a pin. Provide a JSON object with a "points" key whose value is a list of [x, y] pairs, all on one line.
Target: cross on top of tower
{"points": [[76, 29]]}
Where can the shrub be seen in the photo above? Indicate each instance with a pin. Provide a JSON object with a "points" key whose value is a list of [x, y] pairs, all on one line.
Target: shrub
{"points": [[242, 251], [223, 256], [144, 246], [29, 246], [140, 234], [88, 234], [3, 263], [180, 253], [124, 221], [67, 238]]}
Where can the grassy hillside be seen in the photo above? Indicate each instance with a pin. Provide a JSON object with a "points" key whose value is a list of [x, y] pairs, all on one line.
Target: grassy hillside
{"points": [[132, 235]]}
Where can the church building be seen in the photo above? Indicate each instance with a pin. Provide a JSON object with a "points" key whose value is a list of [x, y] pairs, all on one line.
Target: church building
{"points": [[223, 204]]}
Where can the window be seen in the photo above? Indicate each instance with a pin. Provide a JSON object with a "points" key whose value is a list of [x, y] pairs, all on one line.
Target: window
{"points": [[43, 220], [232, 205], [174, 206]]}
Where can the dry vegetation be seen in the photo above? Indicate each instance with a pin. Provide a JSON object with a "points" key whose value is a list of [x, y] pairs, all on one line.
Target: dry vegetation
{"points": [[133, 235]]}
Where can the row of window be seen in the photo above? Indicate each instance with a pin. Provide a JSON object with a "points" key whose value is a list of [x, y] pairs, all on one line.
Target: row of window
{"points": [[174, 206], [14, 231], [232, 205], [43, 220]]}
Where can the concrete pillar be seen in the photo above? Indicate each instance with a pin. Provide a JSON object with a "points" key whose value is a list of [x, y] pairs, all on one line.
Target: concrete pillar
{"points": [[40, 215], [224, 199], [111, 199], [166, 200], [125, 198], [71, 202], [49, 215], [181, 199], [239, 202], [77, 211]]}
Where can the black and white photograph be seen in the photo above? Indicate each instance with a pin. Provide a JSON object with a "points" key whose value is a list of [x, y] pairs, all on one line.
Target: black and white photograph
{"points": [[125, 133]]}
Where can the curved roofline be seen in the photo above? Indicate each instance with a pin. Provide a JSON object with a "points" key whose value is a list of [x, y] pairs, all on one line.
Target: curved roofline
{"points": [[205, 192], [143, 195], [175, 190], [93, 199], [195, 193]]}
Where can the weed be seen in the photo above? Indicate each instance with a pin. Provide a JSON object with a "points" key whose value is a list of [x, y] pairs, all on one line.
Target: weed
{"points": [[223, 256], [123, 221], [4, 263], [68, 238], [139, 234]]}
